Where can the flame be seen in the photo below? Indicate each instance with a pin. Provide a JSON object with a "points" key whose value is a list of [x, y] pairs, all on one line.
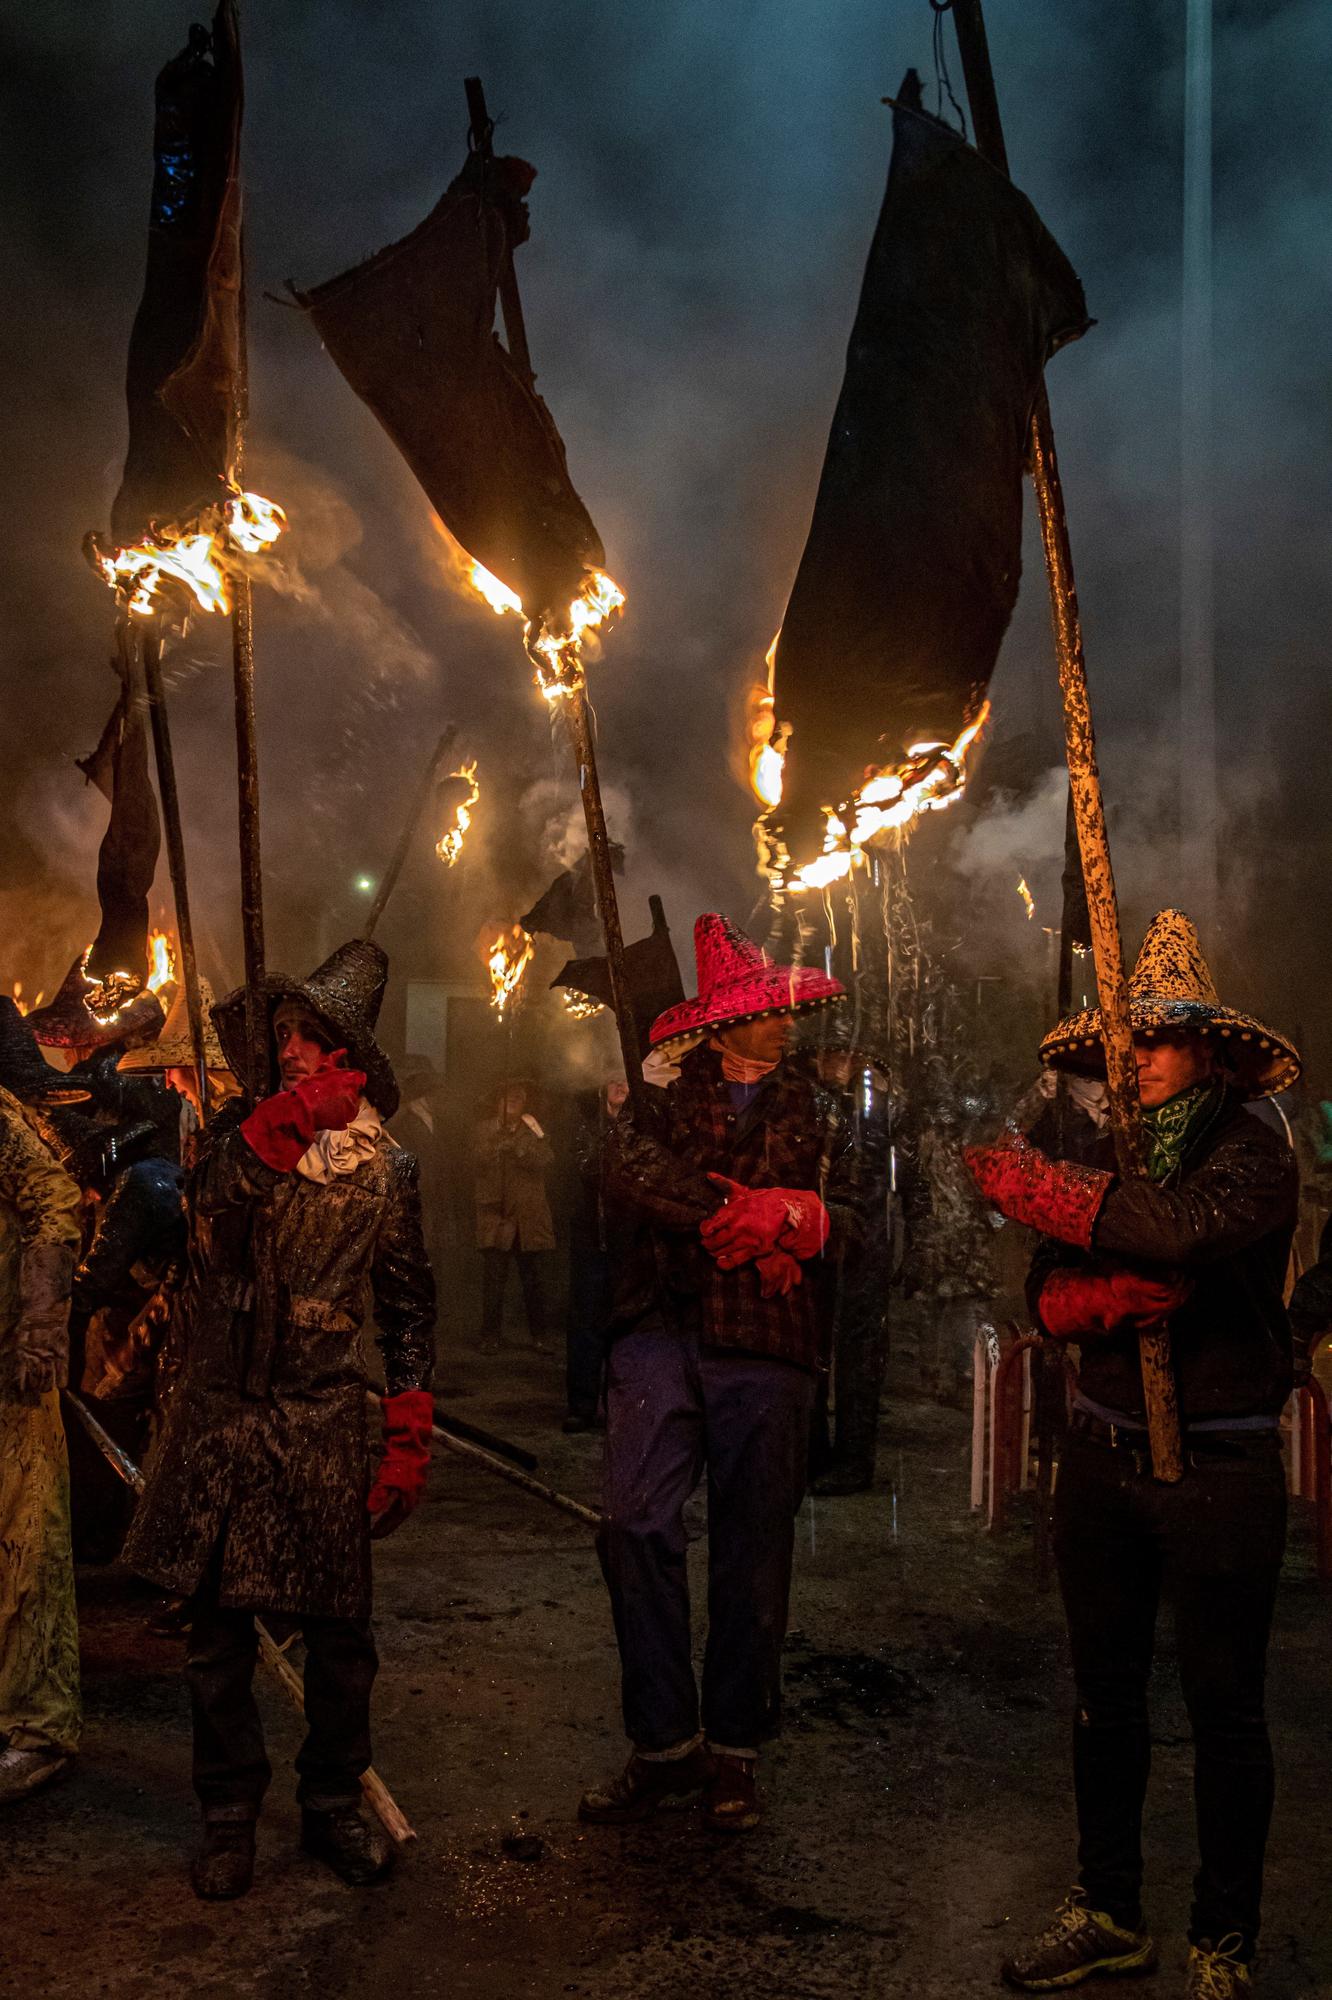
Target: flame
{"points": [[449, 846], [555, 648], [1028, 900], [767, 742], [508, 960], [25, 1006], [581, 1006], [161, 962], [932, 778], [150, 576]]}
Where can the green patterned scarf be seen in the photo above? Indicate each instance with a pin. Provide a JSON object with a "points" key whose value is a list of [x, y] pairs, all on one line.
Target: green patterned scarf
{"points": [[1172, 1124]]}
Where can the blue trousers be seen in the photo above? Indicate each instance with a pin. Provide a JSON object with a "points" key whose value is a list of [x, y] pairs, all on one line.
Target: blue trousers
{"points": [[673, 1410]]}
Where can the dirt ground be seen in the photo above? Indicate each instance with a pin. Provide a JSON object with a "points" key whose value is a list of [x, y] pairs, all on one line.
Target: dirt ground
{"points": [[918, 1804]]}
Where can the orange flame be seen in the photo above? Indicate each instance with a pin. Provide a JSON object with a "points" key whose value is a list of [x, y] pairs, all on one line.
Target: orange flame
{"points": [[932, 778], [581, 1006], [450, 844], [1028, 900], [149, 577], [161, 962], [25, 1006], [555, 650], [508, 960]]}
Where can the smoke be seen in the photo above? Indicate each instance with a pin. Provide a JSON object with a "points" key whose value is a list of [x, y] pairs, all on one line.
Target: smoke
{"points": [[708, 183]]}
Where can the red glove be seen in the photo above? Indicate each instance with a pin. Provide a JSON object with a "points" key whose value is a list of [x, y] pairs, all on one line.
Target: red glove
{"points": [[753, 1221], [281, 1128], [400, 1482], [1081, 1302], [1055, 1196], [779, 1274]]}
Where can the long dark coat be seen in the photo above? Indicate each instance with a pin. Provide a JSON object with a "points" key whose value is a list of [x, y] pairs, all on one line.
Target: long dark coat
{"points": [[263, 1465]]}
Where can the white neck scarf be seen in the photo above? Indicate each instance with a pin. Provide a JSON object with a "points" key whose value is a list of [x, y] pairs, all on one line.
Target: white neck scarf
{"points": [[334, 1154]]}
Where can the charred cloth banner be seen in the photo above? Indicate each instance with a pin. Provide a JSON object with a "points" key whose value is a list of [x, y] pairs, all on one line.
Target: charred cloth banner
{"points": [[910, 571]]}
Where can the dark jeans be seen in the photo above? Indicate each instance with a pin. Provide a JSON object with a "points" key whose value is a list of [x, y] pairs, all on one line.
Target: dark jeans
{"points": [[591, 1295], [231, 1767], [672, 1409], [1212, 1545], [494, 1279]]}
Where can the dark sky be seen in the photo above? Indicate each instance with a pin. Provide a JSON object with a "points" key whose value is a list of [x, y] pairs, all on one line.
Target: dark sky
{"points": [[709, 178]]}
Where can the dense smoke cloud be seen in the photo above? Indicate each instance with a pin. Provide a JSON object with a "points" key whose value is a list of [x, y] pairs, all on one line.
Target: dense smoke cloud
{"points": [[708, 183]]}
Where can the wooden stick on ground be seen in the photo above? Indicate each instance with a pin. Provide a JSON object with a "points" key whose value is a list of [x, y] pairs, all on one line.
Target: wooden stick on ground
{"points": [[378, 1796], [1084, 778]]}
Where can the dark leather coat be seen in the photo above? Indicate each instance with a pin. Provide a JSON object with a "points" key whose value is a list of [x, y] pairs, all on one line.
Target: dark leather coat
{"points": [[263, 1465]]}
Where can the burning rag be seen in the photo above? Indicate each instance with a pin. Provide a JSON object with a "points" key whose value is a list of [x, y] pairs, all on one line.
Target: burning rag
{"points": [[39, 1631], [334, 1154]]}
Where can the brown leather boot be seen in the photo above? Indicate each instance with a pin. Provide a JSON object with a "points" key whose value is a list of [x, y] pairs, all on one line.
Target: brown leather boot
{"points": [[732, 1802], [357, 1848], [643, 1785], [223, 1868]]}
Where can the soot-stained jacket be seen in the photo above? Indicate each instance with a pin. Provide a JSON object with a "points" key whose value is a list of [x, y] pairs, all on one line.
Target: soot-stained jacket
{"points": [[791, 1134], [1225, 1219], [263, 1465]]}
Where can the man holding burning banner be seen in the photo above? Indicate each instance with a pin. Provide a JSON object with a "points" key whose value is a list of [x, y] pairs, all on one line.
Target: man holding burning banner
{"points": [[1201, 1243], [737, 1179], [260, 1498]]}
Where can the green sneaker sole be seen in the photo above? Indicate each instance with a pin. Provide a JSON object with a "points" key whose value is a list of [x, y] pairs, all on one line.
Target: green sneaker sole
{"points": [[1143, 1960]]}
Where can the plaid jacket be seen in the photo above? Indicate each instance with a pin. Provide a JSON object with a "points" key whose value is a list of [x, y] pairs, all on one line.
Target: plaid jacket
{"points": [[791, 1134]]}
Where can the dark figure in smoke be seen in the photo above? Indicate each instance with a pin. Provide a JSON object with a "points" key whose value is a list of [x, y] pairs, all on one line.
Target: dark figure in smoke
{"points": [[594, 1230], [259, 1498], [737, 1176], [1203, 1243], [512, 1212]]}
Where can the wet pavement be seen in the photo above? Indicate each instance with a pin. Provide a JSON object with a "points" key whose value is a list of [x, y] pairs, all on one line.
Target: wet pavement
{"points": [[918, 1802]]}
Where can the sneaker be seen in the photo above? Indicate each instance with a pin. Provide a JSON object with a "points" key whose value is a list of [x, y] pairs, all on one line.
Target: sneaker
{"points": [[644, 1784], [1217, 1972], [732, 1804], [1079, 1942], [356, 1848], [223, 1868]]}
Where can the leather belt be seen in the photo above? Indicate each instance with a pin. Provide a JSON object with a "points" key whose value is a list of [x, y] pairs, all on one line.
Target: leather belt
{"points": [[1199, 1444]]}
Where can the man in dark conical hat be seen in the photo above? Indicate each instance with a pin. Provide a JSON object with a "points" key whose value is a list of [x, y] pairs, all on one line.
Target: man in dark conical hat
{"points": [[1202, 1244], [259, 1497]]}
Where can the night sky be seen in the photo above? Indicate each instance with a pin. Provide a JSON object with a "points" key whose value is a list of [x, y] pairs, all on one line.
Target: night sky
{"points": [[708, 182]]}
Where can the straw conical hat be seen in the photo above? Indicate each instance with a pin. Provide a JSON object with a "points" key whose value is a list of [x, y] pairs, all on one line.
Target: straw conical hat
{"points": [[1172, 989], [737, 981], [174, 1048]]}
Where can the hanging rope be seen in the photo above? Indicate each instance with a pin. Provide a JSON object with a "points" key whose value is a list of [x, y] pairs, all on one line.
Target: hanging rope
{"points": [[943, 83]]}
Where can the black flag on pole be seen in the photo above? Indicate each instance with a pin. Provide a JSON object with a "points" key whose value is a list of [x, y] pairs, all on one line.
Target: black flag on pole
{"points": [[127, 858], [910, 571], [181, 383], [651, 969], [412, 330]]}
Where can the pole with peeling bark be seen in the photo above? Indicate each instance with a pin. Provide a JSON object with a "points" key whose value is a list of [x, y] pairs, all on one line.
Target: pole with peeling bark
{"points": [[1158, 1379]]}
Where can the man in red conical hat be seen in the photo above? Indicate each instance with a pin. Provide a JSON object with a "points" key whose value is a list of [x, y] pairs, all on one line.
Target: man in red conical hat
{"points": [[1201, 1243], [737, 1183]]}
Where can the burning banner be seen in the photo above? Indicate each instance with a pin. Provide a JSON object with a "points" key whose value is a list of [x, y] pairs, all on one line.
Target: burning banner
{"points": [[116, 965], [652, 974], [910, 572], [450, 843], [507, 959], [411, 330], [569, 907]]}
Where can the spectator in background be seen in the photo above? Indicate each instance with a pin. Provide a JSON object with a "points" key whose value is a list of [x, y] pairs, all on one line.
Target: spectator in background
{"points": [[513, 1224], [592, 1248]]}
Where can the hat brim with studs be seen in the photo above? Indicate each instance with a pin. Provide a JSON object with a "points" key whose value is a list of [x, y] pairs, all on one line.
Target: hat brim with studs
{"points": [[24, 1071], [345, 993], [1171, 991], [174, 1047], [737, 982]]}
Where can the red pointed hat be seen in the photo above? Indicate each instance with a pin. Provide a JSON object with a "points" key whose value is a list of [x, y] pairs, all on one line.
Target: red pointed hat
{"points": [[737, 981]]}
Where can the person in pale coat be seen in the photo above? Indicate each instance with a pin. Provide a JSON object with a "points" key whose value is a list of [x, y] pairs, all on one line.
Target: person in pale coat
{"points": [[513, 1223]]}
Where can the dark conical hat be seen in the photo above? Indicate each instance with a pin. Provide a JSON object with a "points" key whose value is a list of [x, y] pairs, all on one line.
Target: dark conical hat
{"points": [[24, 1071], [174, 1047], [65, 1023], [1171, 989], [346, 992]]}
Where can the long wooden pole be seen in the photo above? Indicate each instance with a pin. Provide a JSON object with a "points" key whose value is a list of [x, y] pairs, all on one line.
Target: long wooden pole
{"points": [[1084, 778], [377, 1794], [175, 846], [258, 1061], [417, 806], [574, 700]]}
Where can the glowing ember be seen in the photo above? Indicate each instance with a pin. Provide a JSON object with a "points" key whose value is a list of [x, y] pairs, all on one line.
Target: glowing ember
{"points": [[106, 998], [161, 962], [1028, 900], [186, 568], [450, 845], [508, 960], [581, 1006], [932, 778], [25, 1006]]}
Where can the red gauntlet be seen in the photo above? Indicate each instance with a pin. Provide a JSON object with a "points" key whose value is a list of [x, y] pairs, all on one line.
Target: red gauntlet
{"points": [[779, 1274], [400, 1482], [754, 1221], [281, 1128], [1081, 1302], [1055, 1196]]}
